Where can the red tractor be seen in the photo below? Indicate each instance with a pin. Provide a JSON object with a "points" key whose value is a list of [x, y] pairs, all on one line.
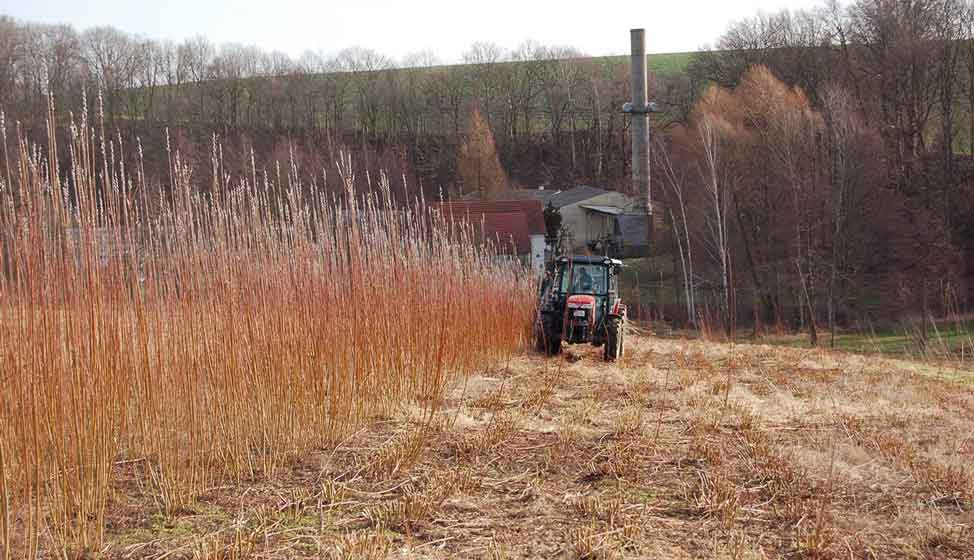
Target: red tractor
{"points": [[579, 303]]}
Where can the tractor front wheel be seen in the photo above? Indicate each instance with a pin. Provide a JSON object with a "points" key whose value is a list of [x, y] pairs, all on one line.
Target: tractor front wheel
{"points": [[554, 346], [546, 342], [548, 345], [614, 339]]}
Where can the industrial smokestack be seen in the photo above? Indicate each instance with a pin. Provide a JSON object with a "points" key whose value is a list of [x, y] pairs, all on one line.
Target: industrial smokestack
{"points": [[639, 110]]}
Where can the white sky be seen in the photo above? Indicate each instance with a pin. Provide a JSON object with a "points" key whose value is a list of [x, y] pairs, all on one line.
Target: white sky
{"points": [[396, 28]]}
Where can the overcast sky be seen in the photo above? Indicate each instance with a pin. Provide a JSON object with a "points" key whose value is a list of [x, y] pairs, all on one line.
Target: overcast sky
{"points": [[397, 28]]}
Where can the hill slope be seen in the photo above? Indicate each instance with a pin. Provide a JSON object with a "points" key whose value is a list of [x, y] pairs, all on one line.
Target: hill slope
{"points": [[662, 64]]}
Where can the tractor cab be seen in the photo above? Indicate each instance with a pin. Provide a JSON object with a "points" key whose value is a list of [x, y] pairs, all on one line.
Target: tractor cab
{"points": [[579, 303]]}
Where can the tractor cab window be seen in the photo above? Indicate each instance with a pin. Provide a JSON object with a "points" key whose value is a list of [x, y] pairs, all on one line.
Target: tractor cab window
{"points": [[585, 279]]}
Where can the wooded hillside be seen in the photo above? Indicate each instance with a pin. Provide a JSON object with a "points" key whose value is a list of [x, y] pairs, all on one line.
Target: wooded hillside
{"points": [[815, 166]]}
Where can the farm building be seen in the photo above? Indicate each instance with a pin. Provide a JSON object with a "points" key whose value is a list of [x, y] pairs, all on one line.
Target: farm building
{"points": [[517, 226], [598, 220]]}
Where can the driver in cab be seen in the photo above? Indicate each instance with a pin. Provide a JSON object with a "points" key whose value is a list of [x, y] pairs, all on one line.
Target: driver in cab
{"points": [[583, 282]]}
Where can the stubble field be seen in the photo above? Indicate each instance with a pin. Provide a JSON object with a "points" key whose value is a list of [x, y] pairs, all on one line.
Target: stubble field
{"points": [[684, 449]]}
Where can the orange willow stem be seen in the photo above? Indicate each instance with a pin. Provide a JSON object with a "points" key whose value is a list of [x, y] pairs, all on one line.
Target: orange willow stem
{"points": [[211, 333], [5, 543]]}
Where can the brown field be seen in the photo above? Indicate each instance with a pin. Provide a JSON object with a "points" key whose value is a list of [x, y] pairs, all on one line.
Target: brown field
{"points": [[683, 450]]}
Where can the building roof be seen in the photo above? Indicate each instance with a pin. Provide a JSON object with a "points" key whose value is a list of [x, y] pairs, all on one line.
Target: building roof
{"points": [[589, 259], [511, 223], [610, 210], [561, 198], [509, 230]]}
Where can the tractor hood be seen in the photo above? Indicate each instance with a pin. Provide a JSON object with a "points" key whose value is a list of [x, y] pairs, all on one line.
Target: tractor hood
{"points": [[581, 301]]}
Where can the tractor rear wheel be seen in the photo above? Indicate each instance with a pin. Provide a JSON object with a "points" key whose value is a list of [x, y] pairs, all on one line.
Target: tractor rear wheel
{"points": [[614, 339]]}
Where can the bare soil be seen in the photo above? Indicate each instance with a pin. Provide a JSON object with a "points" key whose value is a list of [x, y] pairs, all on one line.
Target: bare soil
{"points": [[681, 450]]}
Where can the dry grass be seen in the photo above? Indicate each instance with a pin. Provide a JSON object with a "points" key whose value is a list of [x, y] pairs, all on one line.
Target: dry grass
{"points": [[796, 454]]}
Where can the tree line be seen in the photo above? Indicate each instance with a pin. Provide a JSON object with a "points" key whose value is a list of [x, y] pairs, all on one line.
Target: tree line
{"points": [[825, 178], [814, 167], [554, 113]]}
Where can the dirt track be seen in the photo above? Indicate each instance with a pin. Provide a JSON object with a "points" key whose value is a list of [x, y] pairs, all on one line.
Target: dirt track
{"points": [[682, 450]]}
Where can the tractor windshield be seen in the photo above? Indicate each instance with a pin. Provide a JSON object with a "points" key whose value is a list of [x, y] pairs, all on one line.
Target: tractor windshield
{"points": [[585, 279]]}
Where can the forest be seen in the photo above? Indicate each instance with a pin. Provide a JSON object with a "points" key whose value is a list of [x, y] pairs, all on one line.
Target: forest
{"points": [[813, 167]]}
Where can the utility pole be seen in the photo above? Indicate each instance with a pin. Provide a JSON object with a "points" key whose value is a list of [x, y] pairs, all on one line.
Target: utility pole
{"points": [[639, 109]]}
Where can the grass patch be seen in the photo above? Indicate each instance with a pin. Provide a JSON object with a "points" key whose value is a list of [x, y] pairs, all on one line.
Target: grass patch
{"points": [[945, 339], [662, 64]]}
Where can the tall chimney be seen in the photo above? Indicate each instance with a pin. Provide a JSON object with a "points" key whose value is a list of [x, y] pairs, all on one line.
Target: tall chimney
{"points": [[639, 111]]}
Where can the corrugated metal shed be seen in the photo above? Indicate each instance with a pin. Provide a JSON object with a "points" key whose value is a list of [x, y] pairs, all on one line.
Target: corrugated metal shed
{"points": [[609, 210], [635, 230], [562, 198]]}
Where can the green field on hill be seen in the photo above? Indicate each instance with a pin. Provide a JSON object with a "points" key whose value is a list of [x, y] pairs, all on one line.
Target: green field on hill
{"points": [[662, 64]]}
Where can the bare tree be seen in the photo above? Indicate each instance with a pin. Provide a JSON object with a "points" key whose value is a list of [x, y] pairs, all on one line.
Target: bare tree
{"points": [[844, 135], [112, 56], [484, 58], [365, 66], [195, 55], [714, 178], [675, 182], [11, 41], [562, 76], [421, 59], [898, 63], [967, 35]]}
